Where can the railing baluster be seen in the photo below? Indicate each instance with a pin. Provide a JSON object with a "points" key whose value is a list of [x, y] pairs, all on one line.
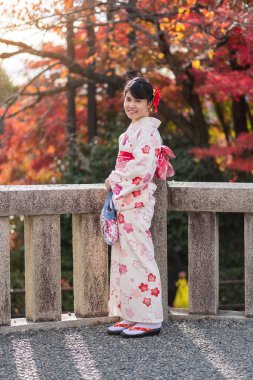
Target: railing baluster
{"points": [[203, 262], [90, 267], [43, 268], [248, 247], [5, 303], [159, 234]]}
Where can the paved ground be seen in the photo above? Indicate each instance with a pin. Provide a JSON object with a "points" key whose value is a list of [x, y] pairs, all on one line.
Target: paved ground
{"points": [[196, 350]]}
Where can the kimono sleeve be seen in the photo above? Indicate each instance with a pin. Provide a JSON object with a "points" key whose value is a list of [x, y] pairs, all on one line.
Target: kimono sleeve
{"points": [[139, 171]]}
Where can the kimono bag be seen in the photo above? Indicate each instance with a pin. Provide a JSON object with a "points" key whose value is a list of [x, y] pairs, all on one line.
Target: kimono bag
{"points": [[108, 221]]}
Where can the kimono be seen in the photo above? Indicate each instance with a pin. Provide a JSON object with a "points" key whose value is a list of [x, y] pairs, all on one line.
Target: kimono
{"points": [[135, 285]]}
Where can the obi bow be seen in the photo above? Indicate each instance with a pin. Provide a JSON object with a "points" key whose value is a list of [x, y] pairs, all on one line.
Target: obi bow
{"points": [[164, 168]]}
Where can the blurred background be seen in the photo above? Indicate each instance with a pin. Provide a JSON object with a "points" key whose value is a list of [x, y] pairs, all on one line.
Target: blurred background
{"points": [[62, 70]]}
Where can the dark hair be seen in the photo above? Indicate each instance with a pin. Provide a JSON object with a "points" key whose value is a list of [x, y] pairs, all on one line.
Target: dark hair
{"points": [[139, 88]]}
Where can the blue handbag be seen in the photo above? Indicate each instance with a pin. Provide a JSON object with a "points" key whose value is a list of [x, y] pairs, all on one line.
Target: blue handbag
{"points": [[108, 208], [108, 220]]}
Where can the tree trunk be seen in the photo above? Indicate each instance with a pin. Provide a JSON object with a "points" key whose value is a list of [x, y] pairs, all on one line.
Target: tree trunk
{"points": [[91, 38], [220, 115], [71, 92], [239, 113], [111, 90], [131, 71], [197, 117]]}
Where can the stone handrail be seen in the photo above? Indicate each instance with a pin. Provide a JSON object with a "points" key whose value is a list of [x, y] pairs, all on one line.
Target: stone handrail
{"points": [[41, 206], [203, 201]]}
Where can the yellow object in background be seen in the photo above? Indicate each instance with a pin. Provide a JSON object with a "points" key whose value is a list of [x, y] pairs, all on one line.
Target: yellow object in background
{"points": [[181, 299]]}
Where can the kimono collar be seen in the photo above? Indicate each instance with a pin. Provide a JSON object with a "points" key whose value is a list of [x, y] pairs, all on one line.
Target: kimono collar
{"points": [[144, 121]]}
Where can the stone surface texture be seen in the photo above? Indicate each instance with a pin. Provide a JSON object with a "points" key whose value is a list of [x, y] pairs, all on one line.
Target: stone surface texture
{"points": [[51, 199], [43, 268], [248, 247], [203, 273], [159, 234], [5, 302], [90, 266], [210, 196]]}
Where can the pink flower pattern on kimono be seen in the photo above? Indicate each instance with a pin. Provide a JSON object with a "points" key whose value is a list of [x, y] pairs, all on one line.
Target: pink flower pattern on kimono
{"points": [[121, 218], [136, 180], [128, 227], [146, 149], [151, 277], [143, 287], [122, 269], [147, 301], [138, 204], [136, 193], [117, 189], [155, 292]]}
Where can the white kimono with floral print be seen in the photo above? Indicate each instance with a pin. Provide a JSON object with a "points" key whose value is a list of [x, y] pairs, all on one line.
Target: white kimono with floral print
{"points": [[135, 287]]}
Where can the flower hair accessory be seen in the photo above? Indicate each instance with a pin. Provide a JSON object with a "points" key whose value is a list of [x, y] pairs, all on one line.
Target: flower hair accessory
{"points": [[156, 100]]}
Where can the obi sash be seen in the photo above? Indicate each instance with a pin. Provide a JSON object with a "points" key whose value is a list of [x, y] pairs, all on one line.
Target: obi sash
{"points": [[164, 168], [124, 156]]}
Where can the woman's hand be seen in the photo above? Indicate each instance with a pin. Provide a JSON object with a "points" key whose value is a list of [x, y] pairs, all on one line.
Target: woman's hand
{"points": [[107, 184]]}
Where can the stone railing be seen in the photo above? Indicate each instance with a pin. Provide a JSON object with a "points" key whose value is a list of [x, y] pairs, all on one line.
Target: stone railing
{"points": [[203, 201], [41, 207]]}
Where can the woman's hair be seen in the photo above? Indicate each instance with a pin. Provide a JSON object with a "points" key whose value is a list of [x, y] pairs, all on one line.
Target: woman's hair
{"points": [[139, 88]]}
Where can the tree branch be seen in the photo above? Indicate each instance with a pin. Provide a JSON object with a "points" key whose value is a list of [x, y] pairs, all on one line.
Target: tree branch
{"points": [[71, 64]]}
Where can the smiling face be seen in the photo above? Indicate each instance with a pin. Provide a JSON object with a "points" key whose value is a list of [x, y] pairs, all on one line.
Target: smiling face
{"points": [[136, 108]]}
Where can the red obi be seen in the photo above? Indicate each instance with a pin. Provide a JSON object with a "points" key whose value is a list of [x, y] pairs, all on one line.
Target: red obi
{"points": [[124, 156]]}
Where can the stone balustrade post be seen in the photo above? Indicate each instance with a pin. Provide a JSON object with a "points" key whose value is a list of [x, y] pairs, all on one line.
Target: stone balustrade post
{"points": [[248, 247], [90, 266], [5, 302], [43, 268], [159, 235], [203, 248]]}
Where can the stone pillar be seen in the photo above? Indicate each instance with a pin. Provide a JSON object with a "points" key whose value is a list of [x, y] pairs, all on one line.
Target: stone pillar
{"points": [[90, 267], [5, 302], [159, 234], [248, 246], [43, 268], [203, 246]]}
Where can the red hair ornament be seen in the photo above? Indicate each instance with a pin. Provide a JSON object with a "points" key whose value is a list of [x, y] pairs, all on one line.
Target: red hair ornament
{"points": [[156, 100]]}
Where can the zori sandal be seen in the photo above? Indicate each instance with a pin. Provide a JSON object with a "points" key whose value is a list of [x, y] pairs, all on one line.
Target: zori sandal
{"points": [[138, 332], [118, 327]]}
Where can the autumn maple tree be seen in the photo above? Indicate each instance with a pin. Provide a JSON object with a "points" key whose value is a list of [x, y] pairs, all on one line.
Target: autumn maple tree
{"points": [[199, 53]]}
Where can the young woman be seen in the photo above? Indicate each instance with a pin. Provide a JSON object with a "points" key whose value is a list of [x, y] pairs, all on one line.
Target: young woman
{"points": [[135, 286]]}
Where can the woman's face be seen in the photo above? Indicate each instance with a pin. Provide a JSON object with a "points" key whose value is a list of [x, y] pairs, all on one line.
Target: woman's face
{"points": [[135, 108]]}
